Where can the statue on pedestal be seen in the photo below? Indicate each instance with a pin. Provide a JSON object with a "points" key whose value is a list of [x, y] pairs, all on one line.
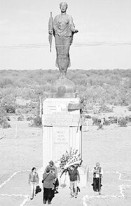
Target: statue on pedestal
{"points": [[63, 29]]}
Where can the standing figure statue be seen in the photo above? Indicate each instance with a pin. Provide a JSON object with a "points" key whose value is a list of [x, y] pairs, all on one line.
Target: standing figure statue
{"points": [[63, 29]]}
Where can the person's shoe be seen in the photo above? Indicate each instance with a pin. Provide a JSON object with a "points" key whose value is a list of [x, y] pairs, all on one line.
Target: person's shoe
{"points": [[49, 203], [31, 198], [99, 193], [44, 202]]}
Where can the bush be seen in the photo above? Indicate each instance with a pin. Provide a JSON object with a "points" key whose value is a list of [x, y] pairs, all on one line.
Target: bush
{"points": [[129, 118], [105, 108], [37, 122], [95, 121], [113, 120], [107, 122], [4, 123], [10, 109], [122, 122], [29, 118], [20, 118]]}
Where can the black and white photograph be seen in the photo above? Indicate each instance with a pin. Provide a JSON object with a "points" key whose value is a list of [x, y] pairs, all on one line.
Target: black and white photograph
{"points": [[65, 102]]}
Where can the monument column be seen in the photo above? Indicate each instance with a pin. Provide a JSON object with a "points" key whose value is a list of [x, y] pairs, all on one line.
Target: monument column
{"points": [[61, 112]]}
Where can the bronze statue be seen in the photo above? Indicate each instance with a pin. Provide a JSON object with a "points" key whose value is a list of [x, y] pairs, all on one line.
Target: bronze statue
{"points": [[63, 29]]}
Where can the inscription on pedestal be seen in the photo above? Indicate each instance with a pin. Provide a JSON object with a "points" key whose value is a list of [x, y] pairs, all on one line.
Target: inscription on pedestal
{"points": [[61, 135], [60, 140]]}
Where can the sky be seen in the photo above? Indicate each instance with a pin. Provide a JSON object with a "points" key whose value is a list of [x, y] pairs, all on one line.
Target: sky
{"points": [[103, 40]]}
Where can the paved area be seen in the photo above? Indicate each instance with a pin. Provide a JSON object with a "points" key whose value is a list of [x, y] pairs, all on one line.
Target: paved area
{"points": [[116, 191], [14, 190], [63, 197]]}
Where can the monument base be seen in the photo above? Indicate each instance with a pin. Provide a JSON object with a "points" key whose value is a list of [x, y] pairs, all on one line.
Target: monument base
{"points": [[61, 128]]}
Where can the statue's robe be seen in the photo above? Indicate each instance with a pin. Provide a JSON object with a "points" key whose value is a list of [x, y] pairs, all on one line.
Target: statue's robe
{"points": [[63, 29]]}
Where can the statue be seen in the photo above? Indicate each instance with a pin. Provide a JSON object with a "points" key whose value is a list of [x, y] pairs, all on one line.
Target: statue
{"points": [[63, 29]]}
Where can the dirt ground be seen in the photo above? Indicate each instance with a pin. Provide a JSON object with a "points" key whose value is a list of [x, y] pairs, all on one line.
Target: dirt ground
{"points": [[21, 149], [110, 146]]}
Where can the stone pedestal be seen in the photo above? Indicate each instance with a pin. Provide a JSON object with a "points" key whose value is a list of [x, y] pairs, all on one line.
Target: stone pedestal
{"points": [[61, 128]]}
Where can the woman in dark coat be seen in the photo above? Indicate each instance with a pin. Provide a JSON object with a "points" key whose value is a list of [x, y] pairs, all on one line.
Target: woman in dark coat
{"points": [[48, 186], [97, 177], [52, 167]]}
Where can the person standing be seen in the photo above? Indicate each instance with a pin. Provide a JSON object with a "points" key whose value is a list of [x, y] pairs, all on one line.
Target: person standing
{"points": [[48, 185], [52, 167], [97, 178], [33, 181], [74, 178]]}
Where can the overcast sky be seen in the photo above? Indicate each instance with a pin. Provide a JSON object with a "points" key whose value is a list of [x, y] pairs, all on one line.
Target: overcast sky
{"points": [[103, 41]]}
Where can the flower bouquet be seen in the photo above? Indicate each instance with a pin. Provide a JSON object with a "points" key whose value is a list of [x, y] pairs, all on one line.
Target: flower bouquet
{"points": [[71, 158]]}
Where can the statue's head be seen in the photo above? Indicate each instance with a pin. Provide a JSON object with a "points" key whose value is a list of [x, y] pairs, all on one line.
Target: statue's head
{"points": [[63, 6], [97, 164]]}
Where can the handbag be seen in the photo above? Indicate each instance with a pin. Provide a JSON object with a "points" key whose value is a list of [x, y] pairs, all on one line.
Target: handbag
{"points": [[38, 189]]}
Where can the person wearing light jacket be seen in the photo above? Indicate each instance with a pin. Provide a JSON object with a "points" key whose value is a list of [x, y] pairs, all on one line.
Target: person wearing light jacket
{"points": [[33, 181]]}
